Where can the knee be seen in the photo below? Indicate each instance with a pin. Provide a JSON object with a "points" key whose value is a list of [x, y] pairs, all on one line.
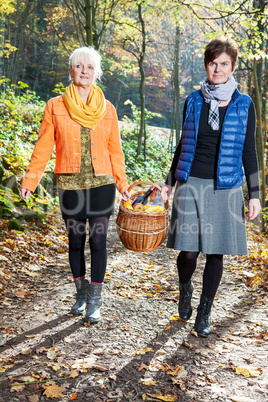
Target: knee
{"points": [[76, 245], [187, 257], [97, 243]]}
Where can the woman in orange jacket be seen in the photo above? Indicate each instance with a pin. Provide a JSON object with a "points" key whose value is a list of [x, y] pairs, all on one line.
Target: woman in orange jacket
{"points": [[89, 166]]}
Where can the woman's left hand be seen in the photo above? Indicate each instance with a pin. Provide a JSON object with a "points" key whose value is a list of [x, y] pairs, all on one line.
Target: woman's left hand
{"points": [[126, 196], [254, 207]]}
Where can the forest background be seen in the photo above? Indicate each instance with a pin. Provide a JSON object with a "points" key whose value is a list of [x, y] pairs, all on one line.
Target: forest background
{"points": [[152, 54]]}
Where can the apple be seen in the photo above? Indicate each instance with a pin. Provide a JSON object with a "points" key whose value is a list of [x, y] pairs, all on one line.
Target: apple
{"points": [[138, 207]]}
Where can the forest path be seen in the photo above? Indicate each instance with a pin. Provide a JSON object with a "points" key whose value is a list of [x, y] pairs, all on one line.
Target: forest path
{"points": [[140, 351]]}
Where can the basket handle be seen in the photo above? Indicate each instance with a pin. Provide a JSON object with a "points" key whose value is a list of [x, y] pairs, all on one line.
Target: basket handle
{"points": [[136, 183]]}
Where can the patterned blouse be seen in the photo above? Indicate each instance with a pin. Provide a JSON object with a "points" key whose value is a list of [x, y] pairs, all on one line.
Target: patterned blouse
{"points": [[85, 179]]}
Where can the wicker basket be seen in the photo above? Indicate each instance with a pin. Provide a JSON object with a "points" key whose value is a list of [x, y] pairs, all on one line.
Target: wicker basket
{"points": [[141, 230]]}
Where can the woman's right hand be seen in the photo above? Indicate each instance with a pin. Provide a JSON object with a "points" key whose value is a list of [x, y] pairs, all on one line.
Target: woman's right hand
{"points": [[24, 193], [165, 192]]}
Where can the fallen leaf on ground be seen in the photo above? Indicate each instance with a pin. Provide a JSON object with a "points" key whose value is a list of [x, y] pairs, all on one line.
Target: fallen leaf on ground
{"points": [[173, 318], [166, 398], [148, 381], [143, 351], [51, 353], [143, 367], [40, 350], [83, 364], [33, 398], [4, 368], [178, 372], [100, 368], [54, 391], [27, 378], [74, 374], [187, 345], [248, 371], [73, 397], [17, 388]]}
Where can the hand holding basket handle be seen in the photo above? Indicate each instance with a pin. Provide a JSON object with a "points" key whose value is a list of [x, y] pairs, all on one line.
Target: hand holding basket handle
{"points": [[165, 192]]}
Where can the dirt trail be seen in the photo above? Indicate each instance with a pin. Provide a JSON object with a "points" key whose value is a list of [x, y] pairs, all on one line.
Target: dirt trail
{"points": [[140, 351]]}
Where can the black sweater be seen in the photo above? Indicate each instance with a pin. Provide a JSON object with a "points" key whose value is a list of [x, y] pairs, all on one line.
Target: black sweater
{"points": [[205, 160]]}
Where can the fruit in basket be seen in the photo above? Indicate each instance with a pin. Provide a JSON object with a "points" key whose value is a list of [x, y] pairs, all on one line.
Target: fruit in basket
{"points": [[141, 199], [138, 207], [156, 208], [128, 205]]}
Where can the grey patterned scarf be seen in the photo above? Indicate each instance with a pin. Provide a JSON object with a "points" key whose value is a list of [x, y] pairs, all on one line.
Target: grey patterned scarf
{"points": [[214, 94]]}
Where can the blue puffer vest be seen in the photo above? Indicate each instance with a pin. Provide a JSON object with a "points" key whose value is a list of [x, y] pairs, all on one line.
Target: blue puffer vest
{"points": [[230, 171]]}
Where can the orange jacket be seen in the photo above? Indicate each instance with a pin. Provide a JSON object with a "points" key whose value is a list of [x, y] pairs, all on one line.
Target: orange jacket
{"points": [[57, 126]]}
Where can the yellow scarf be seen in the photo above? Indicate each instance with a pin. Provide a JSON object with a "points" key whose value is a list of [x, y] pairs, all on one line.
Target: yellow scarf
{"points": [[88, 115]]}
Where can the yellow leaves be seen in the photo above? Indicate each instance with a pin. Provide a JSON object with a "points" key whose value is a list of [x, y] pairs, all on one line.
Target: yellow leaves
{"points": [[257, 280], [143, 351], [54, 391], [165, 398], [254, 255], [56, 367], [264, 254], [174, 318], [6, 367], [248, 371], [74, 374]]}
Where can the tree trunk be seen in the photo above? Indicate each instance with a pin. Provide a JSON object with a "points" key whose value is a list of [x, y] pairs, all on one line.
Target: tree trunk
{"points": [[177, 84], [260, 140], [2, 63], [142, 131], [89, 21]]}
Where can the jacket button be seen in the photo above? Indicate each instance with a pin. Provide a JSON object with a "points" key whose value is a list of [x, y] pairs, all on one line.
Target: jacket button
{"points": [[97, 172], [94, 157], [93, 143]]}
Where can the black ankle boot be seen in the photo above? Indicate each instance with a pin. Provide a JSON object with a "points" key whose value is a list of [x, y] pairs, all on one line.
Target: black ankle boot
{"points": [[202, 321], [185, 308]]}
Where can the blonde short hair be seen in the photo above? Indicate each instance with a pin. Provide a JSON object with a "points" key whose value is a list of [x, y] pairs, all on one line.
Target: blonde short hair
{"points": [[90, 54]]}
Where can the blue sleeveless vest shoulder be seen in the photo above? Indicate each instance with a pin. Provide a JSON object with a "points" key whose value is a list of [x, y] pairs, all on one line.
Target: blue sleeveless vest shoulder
{"points": [[230, 171]]}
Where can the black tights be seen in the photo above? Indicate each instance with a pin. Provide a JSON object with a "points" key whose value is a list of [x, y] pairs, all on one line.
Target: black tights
{"points": [[186, 263], [97, 241]]}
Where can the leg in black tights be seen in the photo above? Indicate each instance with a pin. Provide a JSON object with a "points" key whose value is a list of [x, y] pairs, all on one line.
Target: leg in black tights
{"points": [[76, 230], [186, 264], [212, 275], [97, 242]]}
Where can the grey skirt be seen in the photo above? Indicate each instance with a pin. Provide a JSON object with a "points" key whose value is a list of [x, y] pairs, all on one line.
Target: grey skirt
{"points": [[207, 220]]}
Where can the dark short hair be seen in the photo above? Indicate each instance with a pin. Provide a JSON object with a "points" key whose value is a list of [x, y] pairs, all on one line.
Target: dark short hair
{"points": [[218, 46]]}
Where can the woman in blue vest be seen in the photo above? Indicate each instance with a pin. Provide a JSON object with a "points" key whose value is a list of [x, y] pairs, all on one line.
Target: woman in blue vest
{"points": [[217, 148]]}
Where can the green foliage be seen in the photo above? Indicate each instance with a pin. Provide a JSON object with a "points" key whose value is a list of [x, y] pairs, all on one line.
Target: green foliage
{"points": [[155, 165], [136, 114], [158, 159], [21, 113], [59, 89]]}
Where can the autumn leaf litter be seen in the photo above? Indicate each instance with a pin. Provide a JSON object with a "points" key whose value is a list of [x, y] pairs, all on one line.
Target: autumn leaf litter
{"points": [[140, 350]]}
